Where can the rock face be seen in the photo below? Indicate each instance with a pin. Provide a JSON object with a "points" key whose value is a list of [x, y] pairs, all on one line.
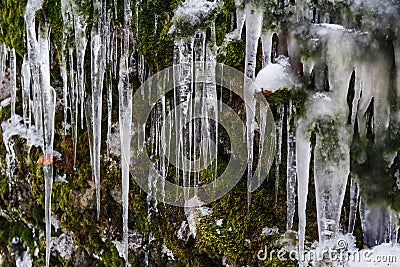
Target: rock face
{"points": [[329, 71]]}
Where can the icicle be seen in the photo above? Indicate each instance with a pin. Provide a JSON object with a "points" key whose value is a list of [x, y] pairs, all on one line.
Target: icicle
{"points": [[125, 119], [109, 116], [375, 221], [303, 11], [303, 158], [142, 69], [74, 103], [379, 224], [200, 129], [240, 18], [354, 200], [3, 58], [80, 24], [375, 84], [330, 183], [67, 31], [33, 54], [211, 90], [183, 80], [64, 76], [254, 17], [112, 61], [266, 39], [392, 228], [291, 168], [43, 103], [48, 98], [327, 113], [26, 91], [396, 45], [98, 57], [13, 80], [278, 156]]}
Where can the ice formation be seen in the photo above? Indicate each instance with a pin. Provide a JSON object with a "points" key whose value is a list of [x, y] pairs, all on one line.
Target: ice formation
{"points": [[353, 103], [125, 120]]}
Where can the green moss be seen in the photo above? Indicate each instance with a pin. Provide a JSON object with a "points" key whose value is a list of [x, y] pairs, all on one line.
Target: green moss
{"points": [[4, 191], [233, 54], [155, 44], [52, 9], [12, 24], [8, 230], [223, 21], [110, 257]]}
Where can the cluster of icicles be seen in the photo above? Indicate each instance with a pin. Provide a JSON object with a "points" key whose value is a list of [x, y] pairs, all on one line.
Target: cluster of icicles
{"points": [[327, 111]]}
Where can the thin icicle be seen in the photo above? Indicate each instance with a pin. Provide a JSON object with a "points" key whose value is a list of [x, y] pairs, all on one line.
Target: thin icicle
{"points": [[73, 96], [48, 98], [291, 168], [254, 17], [354, 200], [303, 158], [109, 116], [80, 24], [125, 119], [13, 79], [112, 61], [3, 58], [67, 30], [98, 57], [26, 91], [278, 156], [266, 40]]}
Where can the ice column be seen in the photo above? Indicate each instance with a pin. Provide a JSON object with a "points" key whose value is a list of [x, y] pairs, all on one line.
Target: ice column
{"points": [[125, 121], [254, 16], [98, 57]]}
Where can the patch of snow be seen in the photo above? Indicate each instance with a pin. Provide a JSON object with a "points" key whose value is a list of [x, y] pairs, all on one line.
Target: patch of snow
{"points": [[15, 126], [119, 246], [270, 231], [64, 244], [383, 255], [219, 222], [194, 216], [61, 178], [24, 260], [191, 13], [181, 230], [167, 251], [56, 223], [275, 76]]}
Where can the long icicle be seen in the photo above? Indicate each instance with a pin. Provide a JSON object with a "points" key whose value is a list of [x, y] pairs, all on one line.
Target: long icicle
{"points": [[254, 16], [48, 97], [13, 80], [291, 168], [97, 75], [125, 119]]}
